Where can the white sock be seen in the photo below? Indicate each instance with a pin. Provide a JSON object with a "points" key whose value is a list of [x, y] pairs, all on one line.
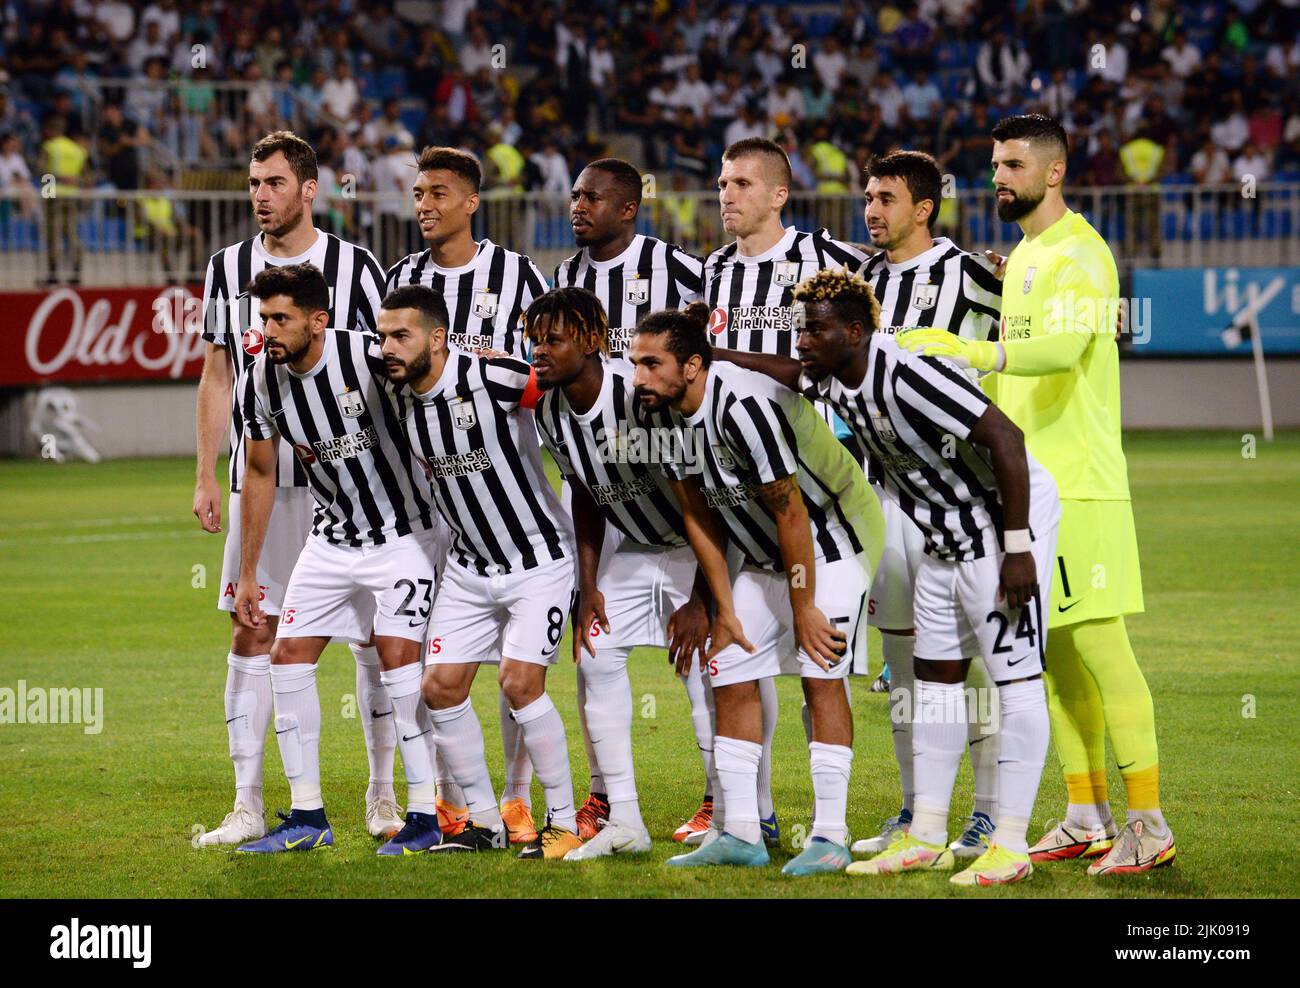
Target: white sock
{"points": [[519, 770], [701, 720], [381, 736], [609, 721], [982, 739], [938, 739], [831, 765], [771, 708], [297, 731], [597, 783], [413, 729], [1152, 820], [447, 787], [737, 767], [543, 732], [897, 651], [1024, 747], [460, 739], [719, 818], [1090, 816], [248, 714]]}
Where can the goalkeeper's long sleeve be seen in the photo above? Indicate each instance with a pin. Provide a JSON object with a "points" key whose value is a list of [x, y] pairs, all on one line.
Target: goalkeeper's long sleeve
{"points": [[1040, 355]]}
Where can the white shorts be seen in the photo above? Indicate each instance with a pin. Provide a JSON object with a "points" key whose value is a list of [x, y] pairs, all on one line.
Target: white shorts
{"points": [[891, 590], [339, 591], [643, 586], [762, 601], [958, 615], [286, 533], [517, 615]]}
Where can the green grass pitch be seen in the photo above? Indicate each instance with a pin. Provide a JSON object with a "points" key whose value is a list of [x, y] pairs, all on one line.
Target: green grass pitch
{"points": [[101, 565]]}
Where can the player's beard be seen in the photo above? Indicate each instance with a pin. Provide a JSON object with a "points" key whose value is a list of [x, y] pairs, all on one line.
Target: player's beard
{"points": [[287, 356], [1019, 205], [654, 402], [291, 219], [413, 369]]}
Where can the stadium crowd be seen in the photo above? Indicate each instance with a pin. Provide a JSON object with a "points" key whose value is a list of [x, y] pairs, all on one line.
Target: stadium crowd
{"points": [[114, 93]]}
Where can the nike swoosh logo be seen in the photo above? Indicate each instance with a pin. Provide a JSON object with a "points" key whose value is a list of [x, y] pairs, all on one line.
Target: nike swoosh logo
{"points": [[1019, 660], [1062, 610], [289, 845], [1133, 762], [374, 714], [236, 717], [420, 735]]}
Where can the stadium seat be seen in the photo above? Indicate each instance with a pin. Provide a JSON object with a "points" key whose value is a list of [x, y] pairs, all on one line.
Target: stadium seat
{"points": [[392, 83]]}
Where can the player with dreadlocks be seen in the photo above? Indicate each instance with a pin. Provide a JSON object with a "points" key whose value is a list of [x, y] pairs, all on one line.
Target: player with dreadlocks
{"points": [[957, 466], [642, 589]]}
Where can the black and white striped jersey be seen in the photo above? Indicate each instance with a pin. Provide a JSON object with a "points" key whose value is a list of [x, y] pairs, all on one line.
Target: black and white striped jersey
{"points": [[913, 415], [750, 431], [750, 297], [648, 276], [481, 452], [486, 298], [611, 450], [346, 435], [231, 320], [944, 287]]}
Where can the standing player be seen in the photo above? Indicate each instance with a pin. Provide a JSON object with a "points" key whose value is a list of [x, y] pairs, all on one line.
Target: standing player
{"points": [[369, 562], [804, 519], [507, 588], [282, 187], [631, 274], [1058, 380], [748, 285], [486, 289], [637, 590], [923, 280], [957, 467]]}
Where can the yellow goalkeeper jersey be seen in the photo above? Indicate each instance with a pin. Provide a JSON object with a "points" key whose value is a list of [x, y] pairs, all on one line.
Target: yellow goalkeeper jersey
{"points": [[1060, 298]]}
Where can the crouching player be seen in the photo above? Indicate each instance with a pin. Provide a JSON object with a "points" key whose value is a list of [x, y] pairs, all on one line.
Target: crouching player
{"points": [[957, 467], [507, 586], [760, 459], [369, 560], [641, 593]]}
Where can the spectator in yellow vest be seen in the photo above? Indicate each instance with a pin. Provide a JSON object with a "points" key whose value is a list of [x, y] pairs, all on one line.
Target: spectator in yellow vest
{"points": [[65, 160]]}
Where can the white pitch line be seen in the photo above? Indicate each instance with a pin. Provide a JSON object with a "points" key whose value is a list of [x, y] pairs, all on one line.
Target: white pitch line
{"points": [[34, 526], [107, 537]]}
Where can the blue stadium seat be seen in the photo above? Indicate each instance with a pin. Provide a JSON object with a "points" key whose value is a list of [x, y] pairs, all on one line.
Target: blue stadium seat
{"points": [[644, 226], [858, 234], [392, 83]]}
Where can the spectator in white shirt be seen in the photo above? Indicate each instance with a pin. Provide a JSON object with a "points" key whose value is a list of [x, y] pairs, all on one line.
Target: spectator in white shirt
{"points": [[118, 19], [749, 123], [1059, 95], [693, 92], [167, 17], [1114, 67], [149, 45], [1002, 66], [1209, 165], [1183, 58], [1252, 164], [601, 61], [830, 63], [1284, 60], [886, 95], [1232, 131], [784, 104], [478, 53], [922, 97], [340, 95], [553, 167]]}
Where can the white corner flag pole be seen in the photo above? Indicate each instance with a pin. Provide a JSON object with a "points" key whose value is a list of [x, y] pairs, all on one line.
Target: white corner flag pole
{"points": [[1261, 377]]}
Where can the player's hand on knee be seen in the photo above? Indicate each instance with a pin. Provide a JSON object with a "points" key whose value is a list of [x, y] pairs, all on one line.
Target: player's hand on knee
{"points": [[590, 614], [207, 505], [688, 633], [726, 630], [1019, 580], [818, 638]]}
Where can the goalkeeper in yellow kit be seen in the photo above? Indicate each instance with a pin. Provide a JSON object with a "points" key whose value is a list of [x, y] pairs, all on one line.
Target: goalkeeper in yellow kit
{"points": [[1057, 378]]}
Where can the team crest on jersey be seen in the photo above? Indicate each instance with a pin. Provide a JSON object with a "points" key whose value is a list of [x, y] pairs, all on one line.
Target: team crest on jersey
{"points": [[786, 273], [1029, 280], [462, 414], [925, 296], [724, 458], [884, 428], [350, 403], [637, 291], [718, 321], [253, 341], [485, 304]]}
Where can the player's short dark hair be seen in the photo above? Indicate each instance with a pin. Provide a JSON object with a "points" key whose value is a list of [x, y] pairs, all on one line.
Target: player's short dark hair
{"points": [[454, 160], [425, 300], [581, 312], [686, 331], [919, 172], [299, 154], [770, 150], [303, 283], [1037, 128], [626, 178], [848, 294]]}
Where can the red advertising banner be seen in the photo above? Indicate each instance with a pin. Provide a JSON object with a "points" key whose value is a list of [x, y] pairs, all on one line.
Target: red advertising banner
{"points": [[73, 335]]}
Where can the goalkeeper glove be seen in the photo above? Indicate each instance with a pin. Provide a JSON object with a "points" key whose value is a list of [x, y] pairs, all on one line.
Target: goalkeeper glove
{"points": [[981, 355]]}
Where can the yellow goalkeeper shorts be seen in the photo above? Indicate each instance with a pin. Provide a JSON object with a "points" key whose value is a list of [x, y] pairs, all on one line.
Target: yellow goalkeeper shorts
{"points": [[1097, 573]]}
